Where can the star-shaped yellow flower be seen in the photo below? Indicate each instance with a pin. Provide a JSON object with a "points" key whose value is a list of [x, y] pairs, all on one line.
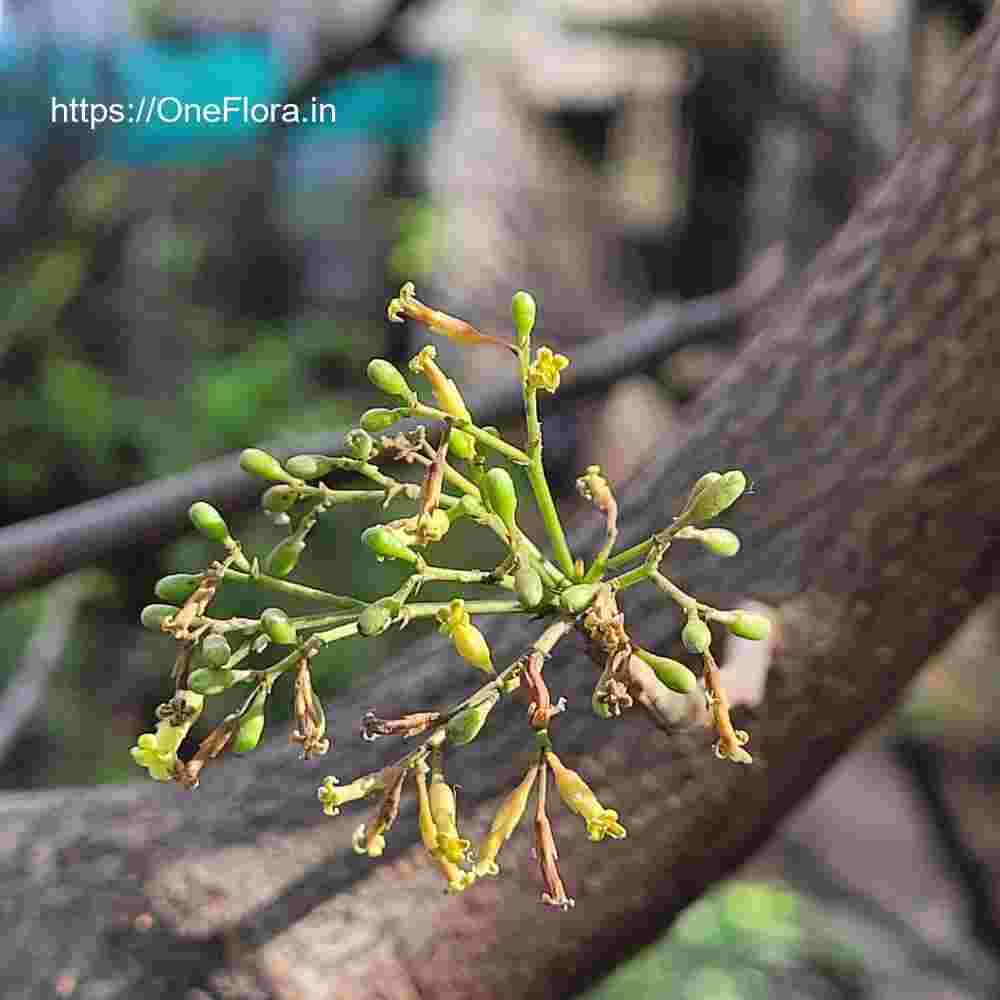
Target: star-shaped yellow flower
{"points": [[544, 372]]}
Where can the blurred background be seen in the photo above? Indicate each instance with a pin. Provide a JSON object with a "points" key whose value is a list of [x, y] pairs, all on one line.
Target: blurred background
{"points": [[172, 292]]}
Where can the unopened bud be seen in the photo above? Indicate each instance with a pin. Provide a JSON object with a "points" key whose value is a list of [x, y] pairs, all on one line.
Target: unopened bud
{"points": [[208, 521], [528, 586], [674, 674], [386, 376], [260, 463], [750, 626], [210, 681], [578, 597], [523, 311], [718, 495], [154, 615], [177, 588], [386, 544], [309, 466], [215, 650], [374, 620], [696, 635], [379, 419], [719, 541], [502, 495], [284, 557], [465, 726], [359, 443], [251, 723], [278, 499], [278, 628]]}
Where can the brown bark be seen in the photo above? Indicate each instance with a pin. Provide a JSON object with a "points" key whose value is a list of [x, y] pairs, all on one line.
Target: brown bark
{"points": [[863, 409]]}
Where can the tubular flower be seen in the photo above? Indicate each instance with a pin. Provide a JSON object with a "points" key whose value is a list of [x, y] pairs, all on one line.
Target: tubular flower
{"points": [[458, 878], [407, 306], [333, 796], [507, 818], [448, 398], [544, 371], [468, 640], [157, 752], [370, 838], [577, 795], [442, 802]]}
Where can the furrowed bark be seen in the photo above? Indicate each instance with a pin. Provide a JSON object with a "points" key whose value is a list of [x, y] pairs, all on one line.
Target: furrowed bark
{"points": [[863, 409]]}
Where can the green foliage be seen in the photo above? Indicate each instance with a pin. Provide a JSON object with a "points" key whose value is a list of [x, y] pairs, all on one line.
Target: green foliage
{"points": [[723, 947]]}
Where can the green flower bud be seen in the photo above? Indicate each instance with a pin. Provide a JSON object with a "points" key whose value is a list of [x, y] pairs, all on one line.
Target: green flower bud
{"points": [[718, 495], [672, 673], [176, 588], [502, 495], [379, 419], [309, 466], [721, 541], [154, 615], [528, 586], [208, 521], [250, 731], [251, 721], [284, 557], [386, 544], [359, 443], [260, 463], [578, 597], [386, 376], [523, 312], [211, 681], [462, 445], [696, 635], [277, 627], [215, 650], [278, 499], [706, 480], [374, 620], [750, 626], [464, 727]]}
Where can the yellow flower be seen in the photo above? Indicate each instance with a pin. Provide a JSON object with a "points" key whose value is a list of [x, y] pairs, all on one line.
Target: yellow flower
{"points": [[577, 795], [159, 758], [508, 816], [469, 642], [544, 372], [372, 844], [157, 752], [333, 795], [442, 804], [407, 306], [445, 391], [458, 878]]}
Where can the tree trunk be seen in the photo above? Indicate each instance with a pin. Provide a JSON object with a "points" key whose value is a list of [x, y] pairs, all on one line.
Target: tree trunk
{"points": [[864, 411]]}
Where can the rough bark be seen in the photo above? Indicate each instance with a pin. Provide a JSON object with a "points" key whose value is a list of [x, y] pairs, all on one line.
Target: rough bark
{"points": [[864, 410]]}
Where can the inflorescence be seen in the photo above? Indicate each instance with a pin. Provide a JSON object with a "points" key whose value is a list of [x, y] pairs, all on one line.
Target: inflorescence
{"points": [[562, 592]]}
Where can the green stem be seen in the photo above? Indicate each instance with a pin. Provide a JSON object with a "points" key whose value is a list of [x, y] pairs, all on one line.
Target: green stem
{"points": [[444, 574], [428, 609], [453, 476], [294, 589], [498, 444], [631, 578], [629, 555], [536, 473]]}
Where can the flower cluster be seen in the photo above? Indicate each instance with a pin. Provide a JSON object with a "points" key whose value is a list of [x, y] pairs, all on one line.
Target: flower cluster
{"points": [[465, 472]]}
